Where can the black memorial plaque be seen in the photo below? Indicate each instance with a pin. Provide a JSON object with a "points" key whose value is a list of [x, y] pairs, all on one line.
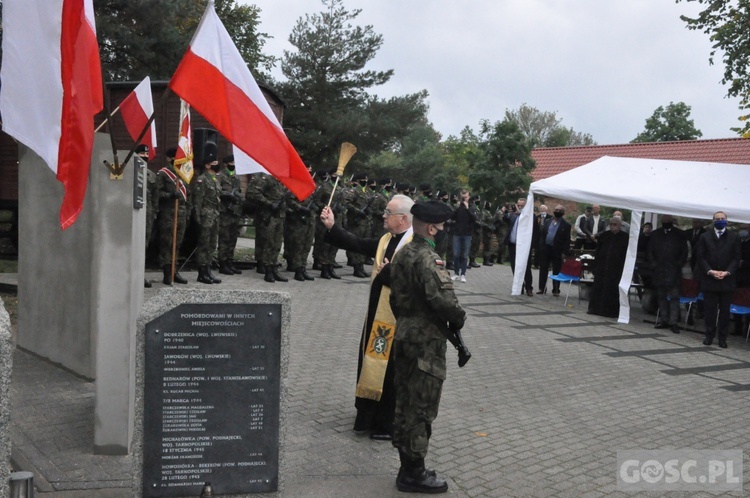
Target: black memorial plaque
{"points": [[211, 400]]}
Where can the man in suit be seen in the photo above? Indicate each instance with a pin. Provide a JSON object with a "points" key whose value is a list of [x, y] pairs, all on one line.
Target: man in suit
{"points": [[541, 219], [510, 217], [718, 259], [693, 236], [595, 226], [667, 253], [554, 244]]}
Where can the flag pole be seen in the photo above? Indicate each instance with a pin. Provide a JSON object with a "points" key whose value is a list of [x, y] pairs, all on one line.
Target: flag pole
{"points": [[114, 169], [346, 153], [107, 119], [164, 97], [174, 237]]}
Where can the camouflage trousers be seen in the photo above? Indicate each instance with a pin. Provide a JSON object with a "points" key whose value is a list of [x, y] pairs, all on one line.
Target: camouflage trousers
{"points": [[229, 231], [418, 392], [361, 230], [208, 236], [299, 233], [166, 229], [322, 251], [271, 230], [476, 238]]}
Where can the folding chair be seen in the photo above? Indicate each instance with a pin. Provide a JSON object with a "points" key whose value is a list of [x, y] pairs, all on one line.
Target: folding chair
{"points": [[741, 305], [689, 294], [570, 272]]}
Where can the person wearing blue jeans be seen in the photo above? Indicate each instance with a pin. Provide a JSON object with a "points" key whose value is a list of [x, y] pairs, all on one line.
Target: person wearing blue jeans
{"points": [[464, 219]]}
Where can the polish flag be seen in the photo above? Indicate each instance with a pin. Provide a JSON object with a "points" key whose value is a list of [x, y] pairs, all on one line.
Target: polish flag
{"points": [[136, 110], [52, 88], [215, 80]]}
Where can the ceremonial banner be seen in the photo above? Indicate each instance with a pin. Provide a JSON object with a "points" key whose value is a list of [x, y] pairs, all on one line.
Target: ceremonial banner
{"points": [[183, 160], [52, 88], [215, 80], [136, 110]]}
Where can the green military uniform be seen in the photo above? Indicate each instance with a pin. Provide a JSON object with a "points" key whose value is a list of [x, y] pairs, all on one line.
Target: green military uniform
{"points": [[476, 233], [501, 229], [426, 310], [488, 233], [230, 215], [377, 209], [206, 200], [324, 254], [152, 203], [170, 188], [269, 196], [299, 233], [357, 202]]}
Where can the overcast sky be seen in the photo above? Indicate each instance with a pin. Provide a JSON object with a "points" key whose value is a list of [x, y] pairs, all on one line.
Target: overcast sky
{"points": [[603, 66]]}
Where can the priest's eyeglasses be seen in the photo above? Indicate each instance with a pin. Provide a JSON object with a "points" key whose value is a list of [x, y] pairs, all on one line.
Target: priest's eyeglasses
{"points": [[388, 212]]}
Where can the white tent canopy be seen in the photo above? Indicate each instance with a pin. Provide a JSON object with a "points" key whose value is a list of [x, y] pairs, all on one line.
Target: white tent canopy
{"points": [[681, 188]]}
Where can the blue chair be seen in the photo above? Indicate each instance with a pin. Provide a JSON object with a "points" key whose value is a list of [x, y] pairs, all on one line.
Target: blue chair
{"points": [[741, 305], [570, 272]]}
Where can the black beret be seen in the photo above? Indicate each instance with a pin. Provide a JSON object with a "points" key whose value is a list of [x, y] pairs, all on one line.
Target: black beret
{"points": [[424, 186], [209, 153], [359, 175], [228, 159], [171, 152], [142, 148], [431, 211]]}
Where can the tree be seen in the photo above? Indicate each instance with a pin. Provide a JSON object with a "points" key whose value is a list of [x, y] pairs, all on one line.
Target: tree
{"points": [[670, 124], [139, 38], [327, 91], [502, 169], [545, 129], [726, 22]]}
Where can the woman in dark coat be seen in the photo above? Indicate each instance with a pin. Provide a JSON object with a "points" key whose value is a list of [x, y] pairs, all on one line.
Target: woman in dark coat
{"points": [[610, 258]]}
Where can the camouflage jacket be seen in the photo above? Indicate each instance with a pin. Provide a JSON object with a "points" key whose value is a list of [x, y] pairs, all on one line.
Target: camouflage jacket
{"points": [[268, 195], [206, 195], [231, 193], [357, 201], [422, 297]]}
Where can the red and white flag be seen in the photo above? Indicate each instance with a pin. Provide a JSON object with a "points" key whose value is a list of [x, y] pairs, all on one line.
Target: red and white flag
{"points": [[216, 82], [136, 110], [52, 88], [183, 159]]}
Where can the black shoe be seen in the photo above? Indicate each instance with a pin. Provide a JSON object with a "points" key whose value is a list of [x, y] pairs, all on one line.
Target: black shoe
{"points": [[261, 268], [298, 276], [723, 344], [488, 263], [359, 271], [212, 276], [224, 269], [146, 284], [473, 264], [708, 342], [556, 293], [230, 264], [269, 275], [675, 329], [661, 325], [543, 291], [305, 274], [179, 279], [277, 276], [203, 277], [167, 275], [420, 481]]}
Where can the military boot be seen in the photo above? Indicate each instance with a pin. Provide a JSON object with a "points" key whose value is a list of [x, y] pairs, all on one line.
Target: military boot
{"points": [[277, 276], [473, 263], [211, 275], [179, 279], [167, 274], [325, 272], [224, 268], [231, 267], [359, 271], [298, 275], [261, 268], [203, 275], [317, 265], [269, 275], [332, 272], [415, 478], [305, 274]]}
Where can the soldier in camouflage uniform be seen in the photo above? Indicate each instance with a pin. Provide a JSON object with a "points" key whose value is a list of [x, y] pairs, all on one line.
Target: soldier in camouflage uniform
{"points": [[230, 214], [299, 233], [381, 196], [357, 202], [488, 231], [476, 231], [500, 232], [427, 312], [206, 200], [171, 188], [269, 196], [152, 199], [323, 252]]}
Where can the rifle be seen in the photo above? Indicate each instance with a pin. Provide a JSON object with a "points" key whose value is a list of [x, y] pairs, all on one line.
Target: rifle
{"points": [[455, 338], [276, 206]]}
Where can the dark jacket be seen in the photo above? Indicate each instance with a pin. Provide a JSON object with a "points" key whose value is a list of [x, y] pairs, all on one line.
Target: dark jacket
{"points": [[589, 226], [723, 254], [667, 253], [561, 242], [464, 219], [511, 218]]}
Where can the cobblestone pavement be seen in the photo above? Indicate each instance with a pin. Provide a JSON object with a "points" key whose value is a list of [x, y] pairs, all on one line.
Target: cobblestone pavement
{"points": [[549, 397]]}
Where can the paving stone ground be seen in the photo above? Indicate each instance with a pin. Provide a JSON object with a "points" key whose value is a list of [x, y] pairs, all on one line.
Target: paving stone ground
{"points": [[549, 397]]}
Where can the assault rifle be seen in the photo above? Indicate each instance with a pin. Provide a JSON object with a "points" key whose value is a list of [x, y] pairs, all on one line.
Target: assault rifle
{"points": [[455, 338]]}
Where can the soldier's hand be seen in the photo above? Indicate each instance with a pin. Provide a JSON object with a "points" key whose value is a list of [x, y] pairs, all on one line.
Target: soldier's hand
{"points": [[176, 195], [326, 216]]}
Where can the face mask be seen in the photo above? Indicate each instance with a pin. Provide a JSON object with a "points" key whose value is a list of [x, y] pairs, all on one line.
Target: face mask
{"points": [[558, 214], [668, 225], [439, 237], [720, 224], [744, 234]]}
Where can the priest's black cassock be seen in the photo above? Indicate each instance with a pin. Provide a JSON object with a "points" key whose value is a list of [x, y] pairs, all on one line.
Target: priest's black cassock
{"points": [[611, 250]]}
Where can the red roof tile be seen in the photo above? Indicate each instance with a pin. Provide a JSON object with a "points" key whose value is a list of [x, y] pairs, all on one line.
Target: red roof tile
{"points": [[551, 161]]}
